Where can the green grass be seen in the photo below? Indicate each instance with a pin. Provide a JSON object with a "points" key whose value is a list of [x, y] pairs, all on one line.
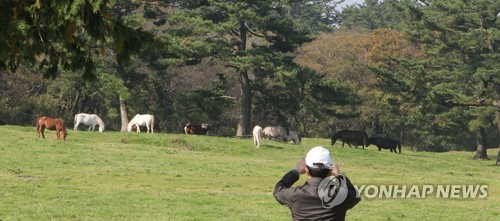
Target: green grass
{"points": [[129, 176]]}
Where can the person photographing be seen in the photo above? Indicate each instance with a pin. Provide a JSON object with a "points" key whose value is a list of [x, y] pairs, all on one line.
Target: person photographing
{"points": [[326, 195]]}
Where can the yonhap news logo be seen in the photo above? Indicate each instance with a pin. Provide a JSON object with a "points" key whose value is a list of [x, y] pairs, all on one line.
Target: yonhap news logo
{"points": [[333, 191], [423, 191]]}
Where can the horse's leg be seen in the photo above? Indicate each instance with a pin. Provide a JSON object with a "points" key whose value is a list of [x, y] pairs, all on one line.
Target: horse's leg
{"points": [[76, 126], [138, 128]]}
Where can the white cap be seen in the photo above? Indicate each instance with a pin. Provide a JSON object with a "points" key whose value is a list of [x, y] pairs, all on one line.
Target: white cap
{"points": [[319, 157]]}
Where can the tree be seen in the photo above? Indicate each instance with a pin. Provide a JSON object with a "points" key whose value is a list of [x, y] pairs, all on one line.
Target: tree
{"points": [[348, 59], [249, 37], [370, 15], [60, 34], [460, 72]]}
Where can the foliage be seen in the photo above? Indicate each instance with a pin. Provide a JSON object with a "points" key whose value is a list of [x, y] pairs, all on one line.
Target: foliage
{"points": [[371, 15], [255, 39], [62, 35], [454, 81]]}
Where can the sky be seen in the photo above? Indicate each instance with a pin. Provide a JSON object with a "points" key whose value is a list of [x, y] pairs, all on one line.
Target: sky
{"points": [[351, 2]]}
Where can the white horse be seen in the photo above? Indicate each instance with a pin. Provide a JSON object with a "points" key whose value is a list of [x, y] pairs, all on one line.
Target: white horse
{"points": [[90, 120], [278, 133], [147, 120], [257, 135]]}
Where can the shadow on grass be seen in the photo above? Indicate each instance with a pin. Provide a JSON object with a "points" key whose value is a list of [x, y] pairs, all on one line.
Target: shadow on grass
{"points": [[271, 146]]}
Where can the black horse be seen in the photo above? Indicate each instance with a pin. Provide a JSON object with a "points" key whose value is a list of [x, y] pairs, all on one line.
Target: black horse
{"points": [[384, 143], [354, 137]]}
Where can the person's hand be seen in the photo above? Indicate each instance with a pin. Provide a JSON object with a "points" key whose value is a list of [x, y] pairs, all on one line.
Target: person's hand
{"points": [[335, 169], [301, 166]]}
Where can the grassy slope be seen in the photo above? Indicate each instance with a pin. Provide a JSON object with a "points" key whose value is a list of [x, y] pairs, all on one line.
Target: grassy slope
{"points": [[128, 176]]}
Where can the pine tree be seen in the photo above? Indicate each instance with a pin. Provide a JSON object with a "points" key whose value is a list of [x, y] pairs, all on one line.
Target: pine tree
{"points": [[460, 72], [251, 37], [62, 34]]}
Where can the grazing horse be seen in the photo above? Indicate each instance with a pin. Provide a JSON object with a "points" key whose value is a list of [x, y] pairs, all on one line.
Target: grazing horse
{"points": [[295, 136], [147, 120], [278, 133], [257, 135], [354, 137], [197, 129], [90, 120], [384, 143], [56, 124]]}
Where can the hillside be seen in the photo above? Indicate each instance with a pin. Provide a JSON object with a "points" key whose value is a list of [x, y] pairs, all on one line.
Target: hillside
{"points": [[129, 176]]}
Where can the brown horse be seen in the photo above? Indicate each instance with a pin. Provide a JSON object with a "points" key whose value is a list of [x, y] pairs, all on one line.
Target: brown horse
{"points": [[56, 124], [354, 137], [385, 143]]}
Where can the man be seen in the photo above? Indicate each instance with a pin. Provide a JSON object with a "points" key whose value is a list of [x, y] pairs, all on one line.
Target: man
{"points": [[322, 197]]}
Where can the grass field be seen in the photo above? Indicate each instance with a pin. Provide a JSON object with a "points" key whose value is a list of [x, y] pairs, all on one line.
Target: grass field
{"points": [[129, 176]]}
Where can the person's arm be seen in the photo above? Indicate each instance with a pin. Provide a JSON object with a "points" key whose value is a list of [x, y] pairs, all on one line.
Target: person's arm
{"points": [[282, 191]]}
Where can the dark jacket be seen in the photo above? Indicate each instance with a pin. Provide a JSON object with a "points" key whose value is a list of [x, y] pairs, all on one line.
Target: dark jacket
{"points": [[305, 203]]}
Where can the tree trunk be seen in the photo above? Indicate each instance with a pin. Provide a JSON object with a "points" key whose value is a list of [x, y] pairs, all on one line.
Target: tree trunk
{"points": [[123, 113], [481, 144], [498, 124], [496, 103], [245, 106], [246, 91]]}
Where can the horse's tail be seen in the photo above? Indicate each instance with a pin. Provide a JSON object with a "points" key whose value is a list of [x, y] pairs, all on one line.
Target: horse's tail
{"points": [[38, 127], [399, 146], [152, 122]]}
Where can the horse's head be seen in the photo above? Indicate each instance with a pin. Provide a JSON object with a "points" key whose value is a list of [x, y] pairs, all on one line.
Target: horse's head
{"points": [[334, 140], [65, 134], [368, 142], [129, 127], [101, 128]]}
